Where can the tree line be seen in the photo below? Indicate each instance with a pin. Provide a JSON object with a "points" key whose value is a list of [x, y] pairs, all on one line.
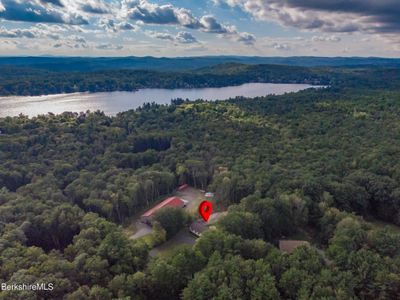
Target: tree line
{"points": [[44, 82]]}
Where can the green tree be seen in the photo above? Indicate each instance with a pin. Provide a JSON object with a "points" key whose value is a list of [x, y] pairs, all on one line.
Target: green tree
{"points": [[172, 220]]}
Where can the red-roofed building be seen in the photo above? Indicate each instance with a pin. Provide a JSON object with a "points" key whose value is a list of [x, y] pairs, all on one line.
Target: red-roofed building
{"points": [[148, 216]]}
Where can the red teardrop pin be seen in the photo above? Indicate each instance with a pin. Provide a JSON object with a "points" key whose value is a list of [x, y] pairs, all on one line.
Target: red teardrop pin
{"points": [[205, 210]]}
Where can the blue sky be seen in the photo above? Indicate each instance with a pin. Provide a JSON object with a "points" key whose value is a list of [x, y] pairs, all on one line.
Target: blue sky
{"points": [[193, 27]]}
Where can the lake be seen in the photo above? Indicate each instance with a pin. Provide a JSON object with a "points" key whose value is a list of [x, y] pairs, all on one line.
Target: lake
{"points": [[114, 102]]}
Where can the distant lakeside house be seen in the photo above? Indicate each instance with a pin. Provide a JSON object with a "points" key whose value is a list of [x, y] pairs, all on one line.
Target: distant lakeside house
{"points": [[148, 216]]}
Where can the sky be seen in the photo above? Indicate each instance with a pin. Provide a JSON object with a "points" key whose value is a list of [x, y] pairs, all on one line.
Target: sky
{"points": [[197, 28]]}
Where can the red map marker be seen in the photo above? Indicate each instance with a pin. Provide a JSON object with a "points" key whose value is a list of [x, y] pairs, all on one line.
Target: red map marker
{"points": [[205, 210]]}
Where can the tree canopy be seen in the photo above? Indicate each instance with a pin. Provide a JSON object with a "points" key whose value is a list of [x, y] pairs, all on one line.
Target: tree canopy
{"points": [[321, 165]]}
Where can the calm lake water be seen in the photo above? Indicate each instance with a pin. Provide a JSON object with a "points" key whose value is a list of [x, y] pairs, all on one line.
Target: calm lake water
{"points": [[115, 102]]}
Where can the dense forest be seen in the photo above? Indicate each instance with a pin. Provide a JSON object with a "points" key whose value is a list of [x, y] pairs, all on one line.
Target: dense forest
{"points": [[324, 163], [16, 80]]}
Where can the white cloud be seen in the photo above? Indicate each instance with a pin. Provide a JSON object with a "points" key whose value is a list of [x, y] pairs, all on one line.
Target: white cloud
{"points": [[37, 11], [109, 25], [109, 46], [368, 16], [40, 31], [150, 13], [332, 38], [95, 6], [210, 24], [112, 17], [161, 35], [279, 46], [17, 33], [246, 38], [182, 37]]}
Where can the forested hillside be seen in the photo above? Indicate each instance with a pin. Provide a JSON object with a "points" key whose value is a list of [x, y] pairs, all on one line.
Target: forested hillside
{"points": [[321, 162], [31, 81]]}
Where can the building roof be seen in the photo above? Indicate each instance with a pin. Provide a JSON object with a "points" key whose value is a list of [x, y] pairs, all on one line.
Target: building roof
{"points": [[198, 227], [170, 202], [289, 246]]}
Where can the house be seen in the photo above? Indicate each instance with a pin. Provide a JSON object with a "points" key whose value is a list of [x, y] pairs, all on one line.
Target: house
{"points": [[148, 216], [288, 246]]}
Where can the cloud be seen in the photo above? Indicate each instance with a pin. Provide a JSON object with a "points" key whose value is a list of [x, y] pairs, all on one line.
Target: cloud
{"points": [[111, 26], [55, 2], [38, 31], [210, 24], [127, 26], [289, 15], [150, 13], [88, 6], [17, 33], [111, 17], [332, 38], [184, 37], [246, 38], [78, 39], [371, 16], [108, 46], [278, 46], [161, 35], [95, 7], [181, 37], [39, 12], [71, 44], [53, 31]]}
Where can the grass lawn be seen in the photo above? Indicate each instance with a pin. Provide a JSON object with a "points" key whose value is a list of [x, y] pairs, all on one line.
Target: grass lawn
{"points": [[147, 239], [183, 237]]}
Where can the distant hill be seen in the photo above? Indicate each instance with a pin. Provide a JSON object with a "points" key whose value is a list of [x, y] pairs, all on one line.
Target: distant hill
{"points": [[67, 64]]}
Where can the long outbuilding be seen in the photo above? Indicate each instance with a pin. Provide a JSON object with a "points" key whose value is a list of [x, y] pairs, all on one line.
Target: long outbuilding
{"points": [[148, 216]]}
